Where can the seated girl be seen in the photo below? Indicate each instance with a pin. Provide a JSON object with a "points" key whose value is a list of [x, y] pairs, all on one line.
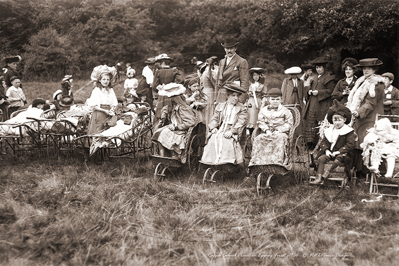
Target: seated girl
{"points": [[338, 143], [225, 127], [275, 121], [381, 142], [194, 96], [176, 118]]}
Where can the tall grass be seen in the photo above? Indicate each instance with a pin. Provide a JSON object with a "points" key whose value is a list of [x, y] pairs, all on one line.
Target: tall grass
{"points": [[67, 211]]}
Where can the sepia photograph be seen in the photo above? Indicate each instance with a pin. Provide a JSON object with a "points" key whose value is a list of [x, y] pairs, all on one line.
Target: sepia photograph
{"points": [[199, 132]]}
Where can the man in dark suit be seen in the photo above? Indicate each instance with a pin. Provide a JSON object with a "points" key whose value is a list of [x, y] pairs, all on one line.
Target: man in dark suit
{"points": [[232, 68]]}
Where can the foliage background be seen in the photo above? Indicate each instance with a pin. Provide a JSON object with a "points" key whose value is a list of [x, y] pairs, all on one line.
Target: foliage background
{"points": [[57, 37]]}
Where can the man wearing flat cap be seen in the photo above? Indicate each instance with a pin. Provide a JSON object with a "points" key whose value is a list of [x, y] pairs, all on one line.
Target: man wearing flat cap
{"points": [[11, 70], [232, 68]]}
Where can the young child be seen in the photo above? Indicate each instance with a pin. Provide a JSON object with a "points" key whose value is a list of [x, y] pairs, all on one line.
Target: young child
{"points": [[131, 83], [382, 141], [391, 96], [194, 96], [128, 104], [338, 142], [15, 95]]}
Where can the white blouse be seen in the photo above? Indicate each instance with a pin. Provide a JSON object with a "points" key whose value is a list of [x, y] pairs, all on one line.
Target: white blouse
{"points": [[102, 96]]}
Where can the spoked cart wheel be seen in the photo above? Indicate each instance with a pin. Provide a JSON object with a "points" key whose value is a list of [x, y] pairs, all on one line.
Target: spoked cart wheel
{"points": [[159, 173], [301, 160], [259, 188], [211, 176], [194, 155]]}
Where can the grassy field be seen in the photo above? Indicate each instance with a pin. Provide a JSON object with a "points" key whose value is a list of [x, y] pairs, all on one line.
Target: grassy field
{"points": [[72, 212]]}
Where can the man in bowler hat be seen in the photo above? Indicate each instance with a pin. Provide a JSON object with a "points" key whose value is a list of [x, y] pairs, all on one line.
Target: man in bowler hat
{"points": [[232, 68]]}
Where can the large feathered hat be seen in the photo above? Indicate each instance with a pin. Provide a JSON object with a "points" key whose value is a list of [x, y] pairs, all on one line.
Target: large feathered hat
{"points": [[339, 109], [172, 89]]}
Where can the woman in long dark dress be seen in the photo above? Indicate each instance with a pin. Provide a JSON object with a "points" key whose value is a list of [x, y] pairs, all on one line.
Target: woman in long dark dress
{"points": [[318, 101]]}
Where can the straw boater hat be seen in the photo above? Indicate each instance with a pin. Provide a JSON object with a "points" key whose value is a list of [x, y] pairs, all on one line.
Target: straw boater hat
{"points": [[56, 94], [229, 42], [293, 70], [163, 57], [339, 109], [234, 88], [274, 92], [172, 89], [389, 75], [369, 62], [12, 59], [258, 70]]}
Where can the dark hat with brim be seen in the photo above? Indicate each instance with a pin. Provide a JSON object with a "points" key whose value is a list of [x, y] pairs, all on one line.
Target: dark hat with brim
{"points": [[274, 92], [14, 78], [12, 59], [38, 101], [389, 75], [229, 42], [369, 62], [307, 66], [234, 87], [320, 61], [351, 62], [339, 109], [150, 61], [66, 102], [258, 70]]}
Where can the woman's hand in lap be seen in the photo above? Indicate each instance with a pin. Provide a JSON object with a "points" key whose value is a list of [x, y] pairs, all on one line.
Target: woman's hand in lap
{"points": [[228, 134], [171, 127]]}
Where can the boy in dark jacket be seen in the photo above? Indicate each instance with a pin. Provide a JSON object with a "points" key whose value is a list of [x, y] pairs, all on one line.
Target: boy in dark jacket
{"points": [[338, 143]]}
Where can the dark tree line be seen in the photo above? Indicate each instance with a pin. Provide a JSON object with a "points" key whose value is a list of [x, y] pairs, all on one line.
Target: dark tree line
{"points": [[55, 37]]}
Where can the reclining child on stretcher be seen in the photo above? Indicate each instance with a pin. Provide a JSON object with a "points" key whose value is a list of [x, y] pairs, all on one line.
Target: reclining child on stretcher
{"points": [[122, 129], [33, 111]]}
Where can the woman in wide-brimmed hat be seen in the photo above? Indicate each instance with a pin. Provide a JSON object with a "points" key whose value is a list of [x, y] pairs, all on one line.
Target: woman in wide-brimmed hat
{"points": [[256, 92], [345, 85], [365, 101], [318, 101], [275, 121], [226, 126], [163, 76], [11, 70], [176, 118]]}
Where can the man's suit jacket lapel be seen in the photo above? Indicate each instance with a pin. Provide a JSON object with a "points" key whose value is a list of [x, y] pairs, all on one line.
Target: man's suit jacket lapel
{"points": [[232, 62]]}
